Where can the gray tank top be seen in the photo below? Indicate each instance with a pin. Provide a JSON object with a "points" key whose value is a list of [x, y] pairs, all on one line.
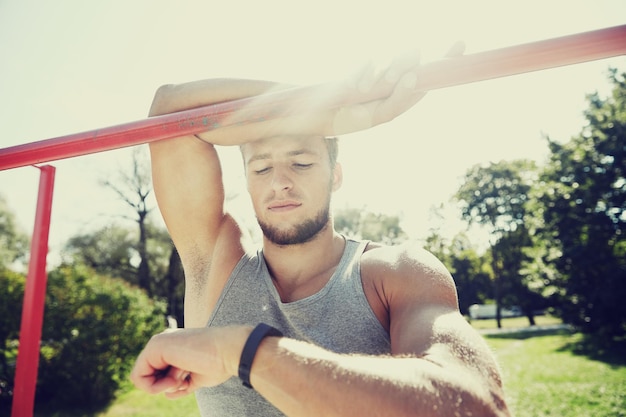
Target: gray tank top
{"points": [[338, 318]]}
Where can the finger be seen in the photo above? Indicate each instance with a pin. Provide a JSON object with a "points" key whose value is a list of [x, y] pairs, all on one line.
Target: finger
{"points": [[353, 118], [178, 394], [144, 374], [380, 74], [403, 97], [179, 374], [184, 388], [175, 380], [456, 50], [153, 385], [401, 64], [179, 384], [367, 77]]}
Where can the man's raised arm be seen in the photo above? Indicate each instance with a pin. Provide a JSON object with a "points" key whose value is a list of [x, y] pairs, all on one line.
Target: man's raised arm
{"points": [[187, 180]]}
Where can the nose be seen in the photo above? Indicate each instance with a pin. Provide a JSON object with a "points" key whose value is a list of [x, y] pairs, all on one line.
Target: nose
{"points": [[281, 180]]}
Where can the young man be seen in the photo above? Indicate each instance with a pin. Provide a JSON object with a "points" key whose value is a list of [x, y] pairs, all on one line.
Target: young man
{"points": [[367, 330]]}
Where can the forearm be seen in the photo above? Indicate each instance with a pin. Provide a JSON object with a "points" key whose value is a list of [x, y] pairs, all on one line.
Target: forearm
{"points": [[234, 128], [315, 115], [172, 98], [304, 380]]}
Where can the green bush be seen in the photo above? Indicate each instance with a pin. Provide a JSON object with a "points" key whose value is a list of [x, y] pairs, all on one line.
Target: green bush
{"points": [[11, 295], [94, 327]]}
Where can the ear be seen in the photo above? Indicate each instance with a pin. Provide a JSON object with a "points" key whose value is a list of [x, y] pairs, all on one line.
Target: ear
{"points": [[337, 176]]}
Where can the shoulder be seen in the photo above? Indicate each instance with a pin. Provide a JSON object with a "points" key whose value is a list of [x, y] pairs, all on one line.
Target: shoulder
{"points": [[407, 254], [422, 306], [408, 268], [407, 276], [403, 282]]}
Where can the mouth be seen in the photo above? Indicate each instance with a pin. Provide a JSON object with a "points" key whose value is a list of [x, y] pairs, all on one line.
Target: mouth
{"points": [[283, 205]]}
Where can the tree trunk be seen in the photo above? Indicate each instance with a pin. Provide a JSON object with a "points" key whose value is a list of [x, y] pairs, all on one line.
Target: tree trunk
{"points": [[496, 286], [175, 275], [143, 274]]}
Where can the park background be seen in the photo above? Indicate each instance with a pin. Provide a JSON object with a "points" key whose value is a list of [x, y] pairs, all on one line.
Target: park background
{"points": [[71, 66]]}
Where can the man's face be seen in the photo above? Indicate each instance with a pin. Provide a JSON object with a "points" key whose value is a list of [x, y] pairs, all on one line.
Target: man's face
{"points": [[290, 181]]}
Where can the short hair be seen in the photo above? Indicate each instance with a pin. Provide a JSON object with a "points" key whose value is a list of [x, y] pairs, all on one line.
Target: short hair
{"points": [[332, 145]]}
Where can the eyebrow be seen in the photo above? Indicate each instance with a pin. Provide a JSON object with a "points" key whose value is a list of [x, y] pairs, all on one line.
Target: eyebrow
{"points": [[268, 155]]}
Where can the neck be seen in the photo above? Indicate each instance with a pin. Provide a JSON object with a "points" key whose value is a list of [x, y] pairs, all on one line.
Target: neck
{"points": [[303, 269]]}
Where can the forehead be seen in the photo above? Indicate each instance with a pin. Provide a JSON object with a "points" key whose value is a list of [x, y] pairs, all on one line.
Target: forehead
{"points": [[282, 147]]}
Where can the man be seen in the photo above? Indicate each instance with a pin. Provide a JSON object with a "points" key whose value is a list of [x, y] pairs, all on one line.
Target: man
{"points": [[366, 329]]}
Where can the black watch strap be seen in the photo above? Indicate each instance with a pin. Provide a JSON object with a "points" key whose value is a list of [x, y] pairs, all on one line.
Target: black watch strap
{"points": [[260, 332]]}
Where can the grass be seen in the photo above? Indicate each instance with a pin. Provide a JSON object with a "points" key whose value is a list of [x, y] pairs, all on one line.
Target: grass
{"points": [[553, 373], [139, 404], [514, 322], [550, 375]]}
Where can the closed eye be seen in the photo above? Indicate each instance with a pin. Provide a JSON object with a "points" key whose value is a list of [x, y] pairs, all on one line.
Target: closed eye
{"points": [[302, 166], [262, 170]]}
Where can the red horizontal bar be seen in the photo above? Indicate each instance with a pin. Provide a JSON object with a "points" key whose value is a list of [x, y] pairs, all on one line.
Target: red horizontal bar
{"points": [[550, 53]]}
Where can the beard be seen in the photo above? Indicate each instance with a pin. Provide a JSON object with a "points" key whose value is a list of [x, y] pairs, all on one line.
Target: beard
{"points": [[301, 233]]}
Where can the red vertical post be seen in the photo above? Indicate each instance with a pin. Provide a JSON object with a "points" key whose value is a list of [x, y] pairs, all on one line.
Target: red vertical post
{"points": [[34, 300]]}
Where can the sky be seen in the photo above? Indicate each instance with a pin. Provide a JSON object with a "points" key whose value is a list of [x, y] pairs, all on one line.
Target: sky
{"points": [[73, 65]]}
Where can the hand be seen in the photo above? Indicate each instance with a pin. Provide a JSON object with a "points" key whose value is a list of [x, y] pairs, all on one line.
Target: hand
{"points": [[395, 82], [178, 362], [373, 95]]}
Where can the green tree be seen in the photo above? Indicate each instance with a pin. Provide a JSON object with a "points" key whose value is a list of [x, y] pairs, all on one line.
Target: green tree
{"points": [[494, 196], [11, 298], [367, 225], [112, 251], [470, 270], [13, 248], [516, 289], [167, 271], [13, 241], [143, 256], [94, 328], [133, 188], [582, 201]]}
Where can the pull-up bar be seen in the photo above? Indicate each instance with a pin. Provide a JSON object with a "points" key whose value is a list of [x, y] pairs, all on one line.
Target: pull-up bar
{"points": [[550, 53]]}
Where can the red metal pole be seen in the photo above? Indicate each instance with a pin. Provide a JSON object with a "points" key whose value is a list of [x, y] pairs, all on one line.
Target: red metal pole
{"points": [[34, 300], [550, 53]]}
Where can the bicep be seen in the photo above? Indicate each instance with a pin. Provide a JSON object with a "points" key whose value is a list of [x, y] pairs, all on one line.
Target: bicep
{"points": [[419, 290], [426, 323], [444, 337]]}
